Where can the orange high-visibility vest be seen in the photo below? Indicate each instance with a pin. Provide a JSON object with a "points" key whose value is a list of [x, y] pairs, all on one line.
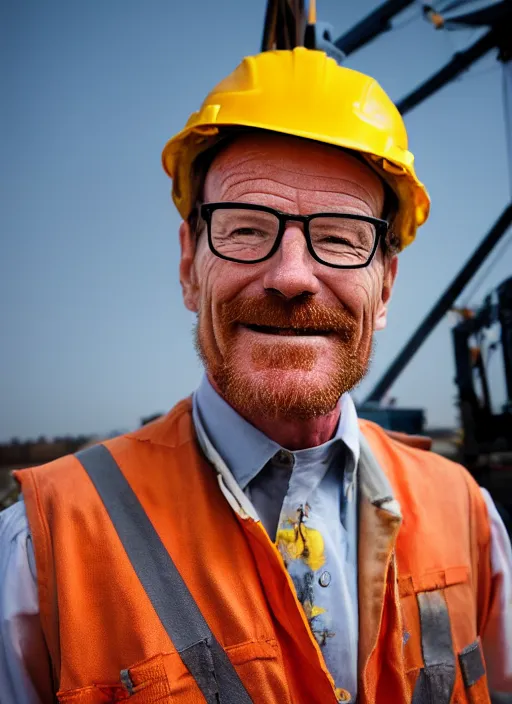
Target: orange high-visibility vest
{"points": [[424, 580]]}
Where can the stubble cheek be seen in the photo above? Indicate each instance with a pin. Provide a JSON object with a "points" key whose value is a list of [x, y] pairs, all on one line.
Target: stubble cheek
{"points": [[363, 301], [375, 275], [205, 318], [213, 293]]}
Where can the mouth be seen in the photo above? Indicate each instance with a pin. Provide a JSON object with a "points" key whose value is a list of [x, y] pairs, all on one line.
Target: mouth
{"points": [[286, 332]]}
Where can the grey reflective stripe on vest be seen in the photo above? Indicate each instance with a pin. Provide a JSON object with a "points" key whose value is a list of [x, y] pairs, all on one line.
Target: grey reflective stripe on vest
{"points": [[175, 606], [436, 680]]}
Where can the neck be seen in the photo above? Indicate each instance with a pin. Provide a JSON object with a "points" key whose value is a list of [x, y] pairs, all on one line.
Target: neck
{"points": [[292, 434], [301, 434]]}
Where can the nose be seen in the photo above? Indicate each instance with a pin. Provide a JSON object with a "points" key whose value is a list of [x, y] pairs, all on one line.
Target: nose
{"points": [[290, 272]]}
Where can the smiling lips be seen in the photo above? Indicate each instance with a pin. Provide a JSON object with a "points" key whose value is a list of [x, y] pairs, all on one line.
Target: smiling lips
{"points": [[286, 332], [299, 318]]}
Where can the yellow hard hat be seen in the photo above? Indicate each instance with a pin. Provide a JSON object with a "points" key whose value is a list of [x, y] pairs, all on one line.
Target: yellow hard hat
{"points": [[306, 94]]}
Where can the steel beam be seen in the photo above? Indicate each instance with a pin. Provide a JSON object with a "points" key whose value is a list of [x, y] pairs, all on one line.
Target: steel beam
{"points": [[459, 63], [374, 24]]}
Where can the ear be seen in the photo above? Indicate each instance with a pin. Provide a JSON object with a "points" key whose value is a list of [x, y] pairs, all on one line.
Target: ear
{"points": [[390, 272], [188, 275]]}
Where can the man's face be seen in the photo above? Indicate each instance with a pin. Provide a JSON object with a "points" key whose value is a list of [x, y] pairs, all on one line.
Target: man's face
{"points": [[286, 337]]}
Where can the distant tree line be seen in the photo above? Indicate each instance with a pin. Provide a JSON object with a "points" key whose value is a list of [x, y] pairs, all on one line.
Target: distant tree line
{"points": [[19, 453], [22, 453]]}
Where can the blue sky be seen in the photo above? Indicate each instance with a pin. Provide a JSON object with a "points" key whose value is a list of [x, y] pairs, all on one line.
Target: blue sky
{"points": [[94, 332]]}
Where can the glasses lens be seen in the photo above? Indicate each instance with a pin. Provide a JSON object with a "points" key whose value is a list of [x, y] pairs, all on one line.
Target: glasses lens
{"points": [[243, 234], [342, 241]]}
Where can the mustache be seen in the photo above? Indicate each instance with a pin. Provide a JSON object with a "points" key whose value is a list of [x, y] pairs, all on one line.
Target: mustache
{"points": [[271, 311]]}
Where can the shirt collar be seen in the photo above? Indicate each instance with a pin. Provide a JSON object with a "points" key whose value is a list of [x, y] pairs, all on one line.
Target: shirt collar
{"points": [[244, 448]]}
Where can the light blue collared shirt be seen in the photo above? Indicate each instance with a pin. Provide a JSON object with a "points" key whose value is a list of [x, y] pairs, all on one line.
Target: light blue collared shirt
{"points": [[307, 501]]}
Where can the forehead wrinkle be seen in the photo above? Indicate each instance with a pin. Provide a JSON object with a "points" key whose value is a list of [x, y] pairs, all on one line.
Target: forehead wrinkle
{"points": [[298, 173], [309, 204], [322, 183], [305, 200], [258, 185], [300, 203]]}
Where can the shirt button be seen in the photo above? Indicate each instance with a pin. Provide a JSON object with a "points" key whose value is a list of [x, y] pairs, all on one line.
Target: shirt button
{"points": [[343, 695], [324, 581]]}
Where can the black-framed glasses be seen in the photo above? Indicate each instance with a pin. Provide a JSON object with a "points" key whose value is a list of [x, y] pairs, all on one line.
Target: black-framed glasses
{"points": [[248, 234]]}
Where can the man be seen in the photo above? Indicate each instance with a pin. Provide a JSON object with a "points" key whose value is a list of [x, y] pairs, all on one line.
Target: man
{"points": [[258, 543]]}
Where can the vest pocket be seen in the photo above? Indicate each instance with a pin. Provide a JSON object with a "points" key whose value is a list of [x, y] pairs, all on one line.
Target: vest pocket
{"points": [[143, 683], [165, 679], [440, 620]]}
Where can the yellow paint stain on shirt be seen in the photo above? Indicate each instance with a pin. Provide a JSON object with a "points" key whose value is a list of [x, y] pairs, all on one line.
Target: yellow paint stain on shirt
{"points": [[316, 611], [302, 542]]}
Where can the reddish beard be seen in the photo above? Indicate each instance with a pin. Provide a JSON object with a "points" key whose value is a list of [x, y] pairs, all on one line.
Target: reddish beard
{"points": [[269, 397]]}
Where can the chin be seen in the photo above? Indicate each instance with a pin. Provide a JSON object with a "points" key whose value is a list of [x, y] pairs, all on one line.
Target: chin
{"points": [[292, 394], [287, 380]]}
